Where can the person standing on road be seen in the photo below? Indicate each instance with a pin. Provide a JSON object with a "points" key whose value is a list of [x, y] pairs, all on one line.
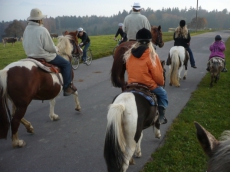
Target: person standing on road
{"points": [[182, 37], [85, 42], [134, 22]]}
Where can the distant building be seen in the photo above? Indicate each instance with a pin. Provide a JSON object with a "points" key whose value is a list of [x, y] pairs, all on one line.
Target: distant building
{"points": [[171, 29]]}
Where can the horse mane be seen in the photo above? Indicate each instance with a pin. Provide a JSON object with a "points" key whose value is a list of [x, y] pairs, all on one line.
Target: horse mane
{"points": [[64, 46]]}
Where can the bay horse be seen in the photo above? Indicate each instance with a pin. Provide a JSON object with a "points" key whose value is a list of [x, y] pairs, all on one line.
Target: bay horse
{"points": [[177, 58], [24, 81], [128, 115], [215, 65], [217, 151], [119, 66]]}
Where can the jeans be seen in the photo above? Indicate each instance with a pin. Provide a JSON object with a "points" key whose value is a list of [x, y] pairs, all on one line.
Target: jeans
{"points": [[161, 94], [192, 61], [86, 47], [66, 69]]}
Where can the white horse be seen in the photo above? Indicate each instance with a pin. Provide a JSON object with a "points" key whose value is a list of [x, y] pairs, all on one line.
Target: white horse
{"points": [[129, 114], [178, 57]]}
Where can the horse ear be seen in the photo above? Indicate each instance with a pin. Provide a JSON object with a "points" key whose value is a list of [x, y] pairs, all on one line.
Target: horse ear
{"points": [[65, 32], [159, 27], [207, 141]]}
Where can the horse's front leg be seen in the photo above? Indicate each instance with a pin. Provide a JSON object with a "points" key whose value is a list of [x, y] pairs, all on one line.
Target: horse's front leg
{"points": [[78, 106], [52, 115], [170, 74], [185, 73], [28, 125], [179, 72], [138, 153]]}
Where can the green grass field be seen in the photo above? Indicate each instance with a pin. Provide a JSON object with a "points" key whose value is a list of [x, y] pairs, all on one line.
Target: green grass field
{"points": [[208, 106]]}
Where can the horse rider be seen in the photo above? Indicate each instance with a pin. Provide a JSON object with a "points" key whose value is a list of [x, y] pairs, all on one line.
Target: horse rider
{"points": [[217, 50], [182, 37], [143, 66], [85, 42], [38, 43], [134, 22], [121, 33]]}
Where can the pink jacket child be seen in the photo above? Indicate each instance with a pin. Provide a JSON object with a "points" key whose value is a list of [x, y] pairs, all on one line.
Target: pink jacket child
{"points": [[217, 48]]}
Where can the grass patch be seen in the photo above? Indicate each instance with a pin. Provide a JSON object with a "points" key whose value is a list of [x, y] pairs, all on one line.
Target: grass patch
{"points": [[101, 46], [208, 106]]}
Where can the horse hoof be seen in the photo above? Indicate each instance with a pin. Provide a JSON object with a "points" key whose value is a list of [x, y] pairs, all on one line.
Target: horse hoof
{"points": [[19, 144], [30, 130], [184, 78], [78, 109], [138, 154], [170, 84], [132, 162]]}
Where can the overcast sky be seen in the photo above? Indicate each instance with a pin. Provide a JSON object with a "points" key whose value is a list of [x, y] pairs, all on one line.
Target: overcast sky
{"points": [[20, 9]]}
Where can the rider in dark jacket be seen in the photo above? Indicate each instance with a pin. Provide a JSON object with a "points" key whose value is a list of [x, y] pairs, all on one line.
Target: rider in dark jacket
{"points": [[85, 42], [182, 38], [122, 33]]}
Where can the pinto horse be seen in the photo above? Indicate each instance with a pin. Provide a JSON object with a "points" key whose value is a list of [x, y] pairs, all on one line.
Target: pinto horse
{"points": [[217, 151], [119, 67], [215, 65], [178, 57], [24, 81], [128, 115]]}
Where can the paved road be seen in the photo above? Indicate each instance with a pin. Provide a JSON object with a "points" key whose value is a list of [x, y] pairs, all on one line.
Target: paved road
{"points": [[75, 143]]}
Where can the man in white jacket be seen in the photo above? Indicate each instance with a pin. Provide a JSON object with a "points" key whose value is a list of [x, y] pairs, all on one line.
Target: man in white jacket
{"points": [[134, 22], [38, 43]]}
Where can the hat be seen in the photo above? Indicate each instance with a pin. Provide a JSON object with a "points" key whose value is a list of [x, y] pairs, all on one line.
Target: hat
{"points": [[36, 14], [80, 29], [182, 23], [120, 24], [136, 6], [143, 35], [218, 38]]}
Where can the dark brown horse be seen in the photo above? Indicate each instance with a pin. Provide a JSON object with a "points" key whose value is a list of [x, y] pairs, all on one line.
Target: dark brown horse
{"points": [[24, 81], [217, 151], [119, 67]]}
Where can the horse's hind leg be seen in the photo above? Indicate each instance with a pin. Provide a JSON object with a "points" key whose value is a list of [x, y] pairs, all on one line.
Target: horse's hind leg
{"points": [[52, 115], [15, 122], [27, 124], [78, 106], [138, 147], [156, 129], [185, 73]]}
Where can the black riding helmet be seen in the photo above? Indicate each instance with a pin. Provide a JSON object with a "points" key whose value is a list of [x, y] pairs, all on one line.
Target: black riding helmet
{"points": [[143, 36], [218, 38]]}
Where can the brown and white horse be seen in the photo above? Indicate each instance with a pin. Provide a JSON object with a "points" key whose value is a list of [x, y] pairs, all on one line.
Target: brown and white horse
{"points": [[23, 81], [119, 67]]}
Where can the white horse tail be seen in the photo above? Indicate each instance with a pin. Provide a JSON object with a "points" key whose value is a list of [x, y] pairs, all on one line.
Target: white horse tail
{"points": [[114, 148], [4, 110], [175, 63]]}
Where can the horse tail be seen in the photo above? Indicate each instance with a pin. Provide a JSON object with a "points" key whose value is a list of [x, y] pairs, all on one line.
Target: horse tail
{"points": [[4, 110], [114, 147], [118, 68], [175, 63]]}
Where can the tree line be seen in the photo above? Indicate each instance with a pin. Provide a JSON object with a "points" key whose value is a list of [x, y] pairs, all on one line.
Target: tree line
{"points": [[101, 25]]}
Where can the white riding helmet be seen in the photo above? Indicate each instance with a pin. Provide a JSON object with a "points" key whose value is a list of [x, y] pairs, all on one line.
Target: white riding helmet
{"points": [[120, 24], [80, 29]]}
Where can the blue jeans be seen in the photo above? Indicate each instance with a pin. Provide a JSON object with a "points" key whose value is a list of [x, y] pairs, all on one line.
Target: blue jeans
{"points": [[66, 69], [86, 47], [192, 61], [162, 98]]}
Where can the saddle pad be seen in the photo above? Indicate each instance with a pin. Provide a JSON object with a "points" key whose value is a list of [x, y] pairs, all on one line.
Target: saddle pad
{"points": [[151, 101]]}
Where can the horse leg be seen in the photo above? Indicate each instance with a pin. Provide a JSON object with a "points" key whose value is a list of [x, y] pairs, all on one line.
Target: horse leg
{"points": [[75, 96], [27, 124], [156, 129], [52, 115], [138, 153], [15, 122], [211, 80], [185, 73], [170, 74]]}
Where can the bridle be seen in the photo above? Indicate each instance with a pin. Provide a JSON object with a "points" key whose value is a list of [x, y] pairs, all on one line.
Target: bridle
{"points": [[159, 37]]}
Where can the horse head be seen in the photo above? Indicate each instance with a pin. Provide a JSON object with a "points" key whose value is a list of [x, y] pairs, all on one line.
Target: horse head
{"points": [[157, 36]]}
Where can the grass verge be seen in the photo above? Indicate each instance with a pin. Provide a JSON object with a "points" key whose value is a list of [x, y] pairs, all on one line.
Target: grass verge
{"points": [[208, 106]]}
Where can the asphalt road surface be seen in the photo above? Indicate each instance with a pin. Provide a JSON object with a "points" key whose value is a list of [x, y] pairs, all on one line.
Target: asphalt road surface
{"points": [[75, 142]]}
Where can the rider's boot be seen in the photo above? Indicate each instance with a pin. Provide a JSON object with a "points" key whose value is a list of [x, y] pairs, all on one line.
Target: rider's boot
{"points": [[69, 90], [162, 119]]}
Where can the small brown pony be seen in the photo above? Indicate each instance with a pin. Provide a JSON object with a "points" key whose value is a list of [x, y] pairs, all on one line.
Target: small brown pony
{"points": [[217, 151], [119, 67], [24, 81]]}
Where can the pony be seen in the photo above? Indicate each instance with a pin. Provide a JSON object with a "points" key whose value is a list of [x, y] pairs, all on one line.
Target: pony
{"points": [[24, 81], [119, 66], [128, 115], [177, 58], [217, 151], [215, 65]]}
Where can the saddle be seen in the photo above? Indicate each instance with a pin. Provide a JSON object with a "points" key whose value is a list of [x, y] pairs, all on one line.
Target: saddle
{"points": [[143, 90], [168, 62]]}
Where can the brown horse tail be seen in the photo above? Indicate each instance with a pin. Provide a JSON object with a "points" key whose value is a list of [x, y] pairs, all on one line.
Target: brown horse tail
{"points": [[5, 116], [118, 68]]}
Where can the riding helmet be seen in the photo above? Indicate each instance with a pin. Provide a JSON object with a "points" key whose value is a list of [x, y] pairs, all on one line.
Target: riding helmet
{"points": [[218, 38], [80, 29], [120, 24], [143, 35]]}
